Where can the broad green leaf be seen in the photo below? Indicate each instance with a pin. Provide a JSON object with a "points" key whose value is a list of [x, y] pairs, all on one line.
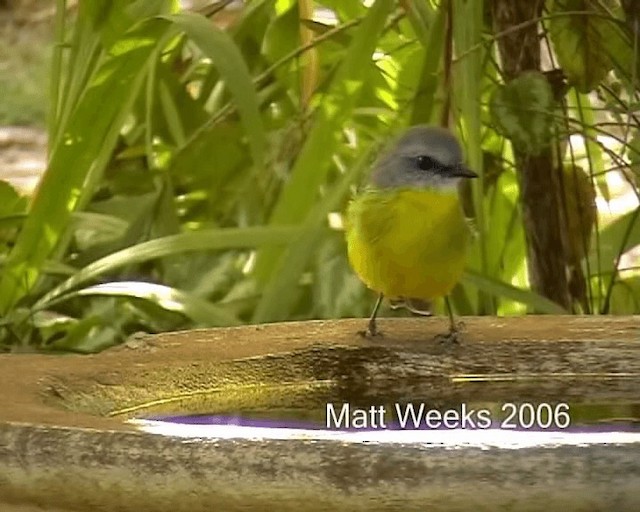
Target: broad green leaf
{"points": [[522, 112], [195, 161], [9, 222], [75, 335], [344, 10], [625, 296], [102, 325], [498, 288], [133, 214], [617, 238], [11, 203], [113, 18], [96, 228], [215, 239], [282, 35], [198, 310], [581, 41]]}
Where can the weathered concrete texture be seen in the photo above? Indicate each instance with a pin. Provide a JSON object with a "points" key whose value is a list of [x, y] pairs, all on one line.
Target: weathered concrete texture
{"points": [[64, 446], [124, 471]]}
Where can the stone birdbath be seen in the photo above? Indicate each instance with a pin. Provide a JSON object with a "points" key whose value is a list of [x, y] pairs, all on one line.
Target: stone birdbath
{"points": [[81, 433]]}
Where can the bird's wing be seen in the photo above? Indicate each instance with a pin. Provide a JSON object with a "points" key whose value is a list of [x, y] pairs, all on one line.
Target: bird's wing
{"points": [[370, 215], [472, 228]]}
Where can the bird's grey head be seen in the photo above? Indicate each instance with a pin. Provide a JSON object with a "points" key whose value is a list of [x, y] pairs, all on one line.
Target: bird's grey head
{"points": [[423, 157]]}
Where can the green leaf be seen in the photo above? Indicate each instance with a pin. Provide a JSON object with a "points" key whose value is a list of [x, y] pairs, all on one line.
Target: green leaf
{"points": [[282, 35], [11, 203], [625, 296], [345, 10], [13, 209], [95, 228], [312, 165], [580, 41], [615, 239], [76, 334], [215, 239], [79, 158], [225, 54], [281, 291], [522, 112], [498, 288], [198, 310], [113, 18], [467, 28], [505, 239], [420, 16], [432, 39]]}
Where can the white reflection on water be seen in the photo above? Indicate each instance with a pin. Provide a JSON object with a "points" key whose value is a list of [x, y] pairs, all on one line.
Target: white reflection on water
{"points": [[441, 438]]}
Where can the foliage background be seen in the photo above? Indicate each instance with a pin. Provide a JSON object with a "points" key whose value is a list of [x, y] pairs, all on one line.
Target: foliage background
{"points": [[199, 161]]}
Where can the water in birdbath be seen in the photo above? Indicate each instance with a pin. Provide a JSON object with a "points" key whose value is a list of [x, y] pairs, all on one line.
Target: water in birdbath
{"points": [[509, 424]]}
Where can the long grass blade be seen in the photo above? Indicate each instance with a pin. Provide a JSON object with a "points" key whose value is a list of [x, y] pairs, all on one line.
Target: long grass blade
{"points": [[498, 288], [311, 167], [78, 158], [215, 239]]}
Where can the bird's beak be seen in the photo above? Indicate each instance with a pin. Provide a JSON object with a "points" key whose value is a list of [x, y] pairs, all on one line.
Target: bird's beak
{"points": [[461, 171]]}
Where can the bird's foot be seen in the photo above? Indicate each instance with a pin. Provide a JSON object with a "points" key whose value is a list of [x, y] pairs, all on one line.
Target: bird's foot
{"points": [[371, 331], [452, 337], [367, 334]]}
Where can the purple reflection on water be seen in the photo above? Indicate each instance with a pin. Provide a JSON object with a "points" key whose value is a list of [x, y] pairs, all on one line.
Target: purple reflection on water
{"points": [[237, 421], [244, 421]]}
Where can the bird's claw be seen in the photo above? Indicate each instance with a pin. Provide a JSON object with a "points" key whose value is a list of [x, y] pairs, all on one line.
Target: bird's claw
{"points": [[370, 335], [371, 332], [453, 337]]}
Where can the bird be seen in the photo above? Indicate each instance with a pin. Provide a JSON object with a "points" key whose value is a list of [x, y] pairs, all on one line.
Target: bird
{"points": [[406, 232]]}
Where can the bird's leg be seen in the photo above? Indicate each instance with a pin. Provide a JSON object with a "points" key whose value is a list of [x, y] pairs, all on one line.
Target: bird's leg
{"points": [[454, 335], [372, 330]]}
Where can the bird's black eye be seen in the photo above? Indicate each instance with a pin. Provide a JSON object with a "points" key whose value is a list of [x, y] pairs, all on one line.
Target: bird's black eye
{"points": [[426, 163]]}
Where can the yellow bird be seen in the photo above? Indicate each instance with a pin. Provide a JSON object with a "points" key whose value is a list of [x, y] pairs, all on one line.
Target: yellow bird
{"points": [[406, 232]]}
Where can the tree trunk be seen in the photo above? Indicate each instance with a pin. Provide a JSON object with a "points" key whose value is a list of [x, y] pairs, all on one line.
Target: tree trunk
{"points": [[539, 184]]}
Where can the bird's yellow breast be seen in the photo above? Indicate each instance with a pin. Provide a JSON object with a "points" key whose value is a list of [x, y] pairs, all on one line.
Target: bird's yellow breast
{"points": [[407, 243]]}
